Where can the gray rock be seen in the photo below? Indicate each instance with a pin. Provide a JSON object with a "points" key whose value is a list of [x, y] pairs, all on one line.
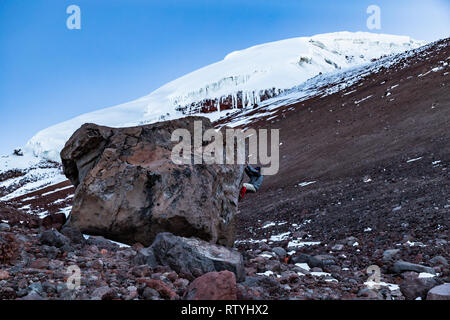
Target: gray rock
{"points": [[104, 293], [33, 295], [150, 294], [49, 287], [23, 292], [274, 266], [51, 252], [68, 295], [403, 266], [388, 255], [188, 254], [441, 292], [22, 238], [4, 227], [54, 238], [36, 287], [266, 283], [280, 252], [146, 256], [61, 287]]}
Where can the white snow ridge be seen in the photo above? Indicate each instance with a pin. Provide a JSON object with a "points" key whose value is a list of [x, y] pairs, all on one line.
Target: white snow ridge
{"points": [[242, 79]]}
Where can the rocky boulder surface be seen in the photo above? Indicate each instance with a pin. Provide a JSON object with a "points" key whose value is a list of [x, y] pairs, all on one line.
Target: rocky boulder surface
{"points": [[128, 189]]}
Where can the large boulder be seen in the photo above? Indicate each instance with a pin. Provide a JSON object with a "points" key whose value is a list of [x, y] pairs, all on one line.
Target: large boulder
{"points": [[191, 255], [128, 188]]}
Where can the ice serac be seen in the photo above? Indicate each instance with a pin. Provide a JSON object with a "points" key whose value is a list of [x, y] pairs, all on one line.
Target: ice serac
{"points": [[244, 78], [129, 190]]}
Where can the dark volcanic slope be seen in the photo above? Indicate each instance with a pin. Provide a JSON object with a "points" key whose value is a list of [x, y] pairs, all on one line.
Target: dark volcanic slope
{"points": [[363, 154]]}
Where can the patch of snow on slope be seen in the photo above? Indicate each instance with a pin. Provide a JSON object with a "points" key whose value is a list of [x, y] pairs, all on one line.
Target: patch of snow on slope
{"points": [[321, 85]]}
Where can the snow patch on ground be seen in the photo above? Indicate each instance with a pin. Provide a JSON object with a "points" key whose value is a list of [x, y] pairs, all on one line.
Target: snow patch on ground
{"points": [[304, 184], [304, 266], [424, 275], [414, 160]]}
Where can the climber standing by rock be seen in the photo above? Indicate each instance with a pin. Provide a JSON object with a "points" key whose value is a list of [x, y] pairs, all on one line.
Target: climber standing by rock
{"points": [[256, 179]]}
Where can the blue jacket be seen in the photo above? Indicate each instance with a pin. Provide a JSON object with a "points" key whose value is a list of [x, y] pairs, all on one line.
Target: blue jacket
{"points": [[255, 176]]}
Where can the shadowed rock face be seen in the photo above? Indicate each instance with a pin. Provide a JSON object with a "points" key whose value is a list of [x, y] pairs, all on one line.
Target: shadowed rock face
{"points": [[128, 188]]}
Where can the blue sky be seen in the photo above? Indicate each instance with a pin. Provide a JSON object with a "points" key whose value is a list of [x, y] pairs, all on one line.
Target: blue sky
{"points": [[128, 48]]}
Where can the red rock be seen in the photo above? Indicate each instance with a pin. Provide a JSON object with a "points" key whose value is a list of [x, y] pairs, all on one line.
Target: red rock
{"points": [[104, 293], [213, 286], [163, 289]]}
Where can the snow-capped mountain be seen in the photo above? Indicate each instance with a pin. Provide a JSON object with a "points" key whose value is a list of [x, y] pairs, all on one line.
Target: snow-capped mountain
{"points": [[244, 78]]}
